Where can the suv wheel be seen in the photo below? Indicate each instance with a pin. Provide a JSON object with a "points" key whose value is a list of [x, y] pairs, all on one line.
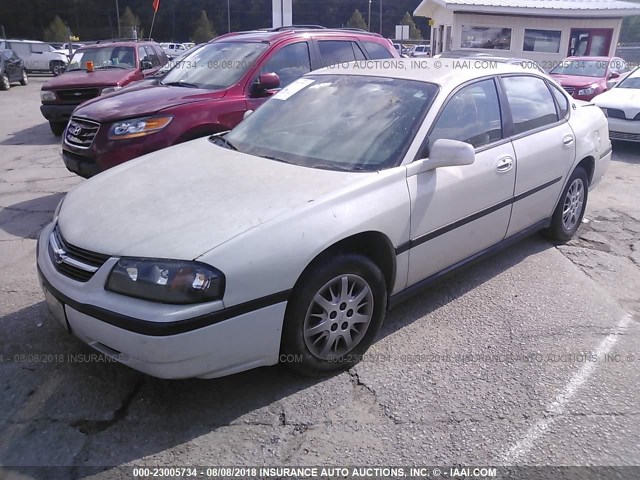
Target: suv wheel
{"points": [[5, 84], [56, 67], [334, 315], [25, 80], [57, 128]]}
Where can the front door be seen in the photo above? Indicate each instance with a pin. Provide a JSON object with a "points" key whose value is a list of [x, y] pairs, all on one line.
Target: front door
{"points": [[459, 211]]}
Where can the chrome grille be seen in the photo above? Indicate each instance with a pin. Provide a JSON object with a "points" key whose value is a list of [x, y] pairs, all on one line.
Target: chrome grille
{"points": [[73, 262], [80, 133], [631, 137], [78, 95]]}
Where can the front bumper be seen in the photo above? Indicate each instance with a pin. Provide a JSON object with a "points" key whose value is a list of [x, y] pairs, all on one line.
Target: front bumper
{"points": [[57, 113], [166, 341], [627, 130]]}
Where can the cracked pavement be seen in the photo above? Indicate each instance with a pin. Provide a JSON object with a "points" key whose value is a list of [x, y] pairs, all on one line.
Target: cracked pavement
{"points": [[459, 374]]}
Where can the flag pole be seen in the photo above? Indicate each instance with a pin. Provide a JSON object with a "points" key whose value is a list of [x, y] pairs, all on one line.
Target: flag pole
{"points": [[155, 12]]}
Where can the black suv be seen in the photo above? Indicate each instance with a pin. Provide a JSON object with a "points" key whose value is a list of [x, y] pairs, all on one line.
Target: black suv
{"points": [[11, 69]]}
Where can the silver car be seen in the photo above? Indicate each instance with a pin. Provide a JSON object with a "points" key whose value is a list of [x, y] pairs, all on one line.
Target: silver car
{"points": [[288, 238]]}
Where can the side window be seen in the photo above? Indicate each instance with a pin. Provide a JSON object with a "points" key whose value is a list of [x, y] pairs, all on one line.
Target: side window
{"points": [[290, 63], [563, 103], [142, 55], [336, 51], [151, 54], [531, 103], [472, 115], [40, 48], [22, 49]]}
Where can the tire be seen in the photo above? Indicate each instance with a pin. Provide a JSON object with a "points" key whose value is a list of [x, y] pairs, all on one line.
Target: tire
{"points": [[568, 214], [57, 128], [56, 67], [313, 345], [25, 79], [5, 84]]}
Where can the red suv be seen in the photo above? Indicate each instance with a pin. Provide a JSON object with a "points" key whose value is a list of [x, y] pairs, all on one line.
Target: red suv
{"points": [[96, 70], [585, 77], [208, 92]]}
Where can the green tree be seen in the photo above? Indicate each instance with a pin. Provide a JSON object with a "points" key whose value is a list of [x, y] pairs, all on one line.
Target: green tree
{"points": [[56, 31], [357, 21], [203, 31], [128, 22], [414, 32]]}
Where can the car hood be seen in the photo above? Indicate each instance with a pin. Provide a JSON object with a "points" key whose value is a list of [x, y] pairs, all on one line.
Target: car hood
{"points": [[82, 78], [185, 200], [575, 80], [625, 99], [136, 102]]}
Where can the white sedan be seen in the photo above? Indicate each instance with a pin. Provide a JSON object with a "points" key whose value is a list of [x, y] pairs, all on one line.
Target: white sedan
{"points": [[288, 238], [621, 105]]}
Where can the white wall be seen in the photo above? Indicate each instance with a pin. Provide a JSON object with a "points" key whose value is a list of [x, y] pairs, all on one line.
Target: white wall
{"points": [[282, 12]]}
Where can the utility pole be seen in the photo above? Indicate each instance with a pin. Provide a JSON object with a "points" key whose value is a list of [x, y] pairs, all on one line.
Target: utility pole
{"points": [[118, 18], [173, 21], [228, 16], [380, 17], [369, 21]]}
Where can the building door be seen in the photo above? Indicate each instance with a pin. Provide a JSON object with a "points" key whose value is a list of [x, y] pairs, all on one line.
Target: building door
{"points": [[593, 42]]}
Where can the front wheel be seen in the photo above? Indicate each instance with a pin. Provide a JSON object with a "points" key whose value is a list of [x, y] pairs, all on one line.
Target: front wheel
{"points": [[24, 81], [56, 68], [571, 207], [57, 128], [334, 315], [5, 84]]}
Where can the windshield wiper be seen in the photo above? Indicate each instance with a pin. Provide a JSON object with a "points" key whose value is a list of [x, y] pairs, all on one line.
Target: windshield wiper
{"points": [[341, 168], [181, 84], [226, 143]]}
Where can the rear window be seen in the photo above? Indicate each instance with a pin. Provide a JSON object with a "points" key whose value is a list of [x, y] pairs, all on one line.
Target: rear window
{"points": [[339, 51]]}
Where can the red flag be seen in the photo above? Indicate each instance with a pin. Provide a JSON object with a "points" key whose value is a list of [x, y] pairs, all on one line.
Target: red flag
{"points": [[156, 5]]}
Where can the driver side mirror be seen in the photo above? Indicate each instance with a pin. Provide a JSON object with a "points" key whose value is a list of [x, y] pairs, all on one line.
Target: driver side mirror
{"points": [[613, 76], [447, 153], [145, 65], [265, 82]]}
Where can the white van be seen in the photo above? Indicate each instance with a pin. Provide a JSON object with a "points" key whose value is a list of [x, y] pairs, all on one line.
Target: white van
{"points": [[37, 56], [173, 49]]}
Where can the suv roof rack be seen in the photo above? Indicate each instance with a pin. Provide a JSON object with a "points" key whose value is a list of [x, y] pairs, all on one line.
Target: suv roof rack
{"points": [[293, 27], [116, 40]]}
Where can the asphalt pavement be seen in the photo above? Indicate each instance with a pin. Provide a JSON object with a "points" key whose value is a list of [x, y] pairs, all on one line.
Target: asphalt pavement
{"points": [[530, 357]]}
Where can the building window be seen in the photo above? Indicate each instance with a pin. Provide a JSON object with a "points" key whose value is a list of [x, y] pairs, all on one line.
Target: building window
{"points": [[547, 41], [495, 38]]}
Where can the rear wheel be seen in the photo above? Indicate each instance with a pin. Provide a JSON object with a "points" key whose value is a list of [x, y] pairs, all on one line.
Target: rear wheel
{"points": [[56, 67], [334, 315], [57, 128], [25, 80], [5, 84], [568, 214]]}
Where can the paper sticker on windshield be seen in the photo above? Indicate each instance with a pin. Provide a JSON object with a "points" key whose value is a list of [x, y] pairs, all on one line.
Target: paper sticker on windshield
{"points": [[293, 88]]}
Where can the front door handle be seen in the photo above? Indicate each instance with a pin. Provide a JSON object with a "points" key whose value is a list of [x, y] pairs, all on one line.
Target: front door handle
{"points": [[568, 140], [504, 164]]}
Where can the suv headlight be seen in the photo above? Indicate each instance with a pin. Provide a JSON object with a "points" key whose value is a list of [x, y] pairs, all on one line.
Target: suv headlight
{"points": [[110, 89], [589, 90], [166, 281], [138, 127], [47, 96]]}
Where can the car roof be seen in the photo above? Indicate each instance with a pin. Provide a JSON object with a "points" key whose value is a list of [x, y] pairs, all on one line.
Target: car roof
{"points": [[275, 34], [25, 41], [584, 58], [428, 70], [126, 43]]}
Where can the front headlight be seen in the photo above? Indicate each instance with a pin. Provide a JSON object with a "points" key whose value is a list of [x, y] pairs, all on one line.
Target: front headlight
{"points": [[166, 281], [138, 127], [57, 210], [589, 90], [47, 96], [110, 90]]}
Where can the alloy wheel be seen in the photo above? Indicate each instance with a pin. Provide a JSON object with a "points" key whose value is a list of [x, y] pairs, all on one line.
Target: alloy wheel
{"points": [[338, 317], [573, 203]]}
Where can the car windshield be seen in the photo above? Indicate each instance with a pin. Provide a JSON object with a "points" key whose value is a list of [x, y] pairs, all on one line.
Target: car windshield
{"points": [[631, 81], [337, 122], [581, 68], [103, 58], [216, 65]]}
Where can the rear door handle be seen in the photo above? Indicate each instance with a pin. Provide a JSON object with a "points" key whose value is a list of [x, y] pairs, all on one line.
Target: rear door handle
{"points": [[568, 140], [504, 164]]}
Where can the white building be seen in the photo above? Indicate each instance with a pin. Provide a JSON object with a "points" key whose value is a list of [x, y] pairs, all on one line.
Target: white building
{"points": [[546, 31]]}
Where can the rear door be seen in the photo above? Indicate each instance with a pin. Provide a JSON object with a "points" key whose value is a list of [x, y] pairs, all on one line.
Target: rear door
{"points": [[23, 50], [457, 212], [544, 146]]}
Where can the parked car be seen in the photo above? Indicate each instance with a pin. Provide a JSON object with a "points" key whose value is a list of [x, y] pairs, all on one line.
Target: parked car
{"points": [[174, 49], [208, 92], [622, 107], [96, 70], [585, 77], [11, 69], [189, 45], [420, 51], [38, 57], [289, 237]]}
